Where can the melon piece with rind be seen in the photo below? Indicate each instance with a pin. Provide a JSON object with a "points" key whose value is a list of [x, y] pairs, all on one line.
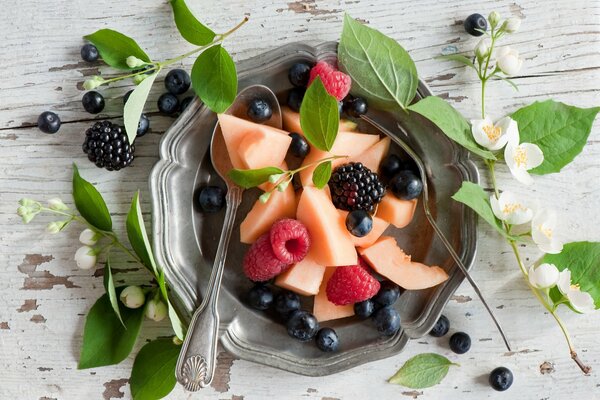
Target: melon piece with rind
{"points": [[325, 310]]}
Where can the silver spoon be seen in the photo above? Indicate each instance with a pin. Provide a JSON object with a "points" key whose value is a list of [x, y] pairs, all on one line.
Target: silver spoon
{"points": [[197, 359], [411, 153]]}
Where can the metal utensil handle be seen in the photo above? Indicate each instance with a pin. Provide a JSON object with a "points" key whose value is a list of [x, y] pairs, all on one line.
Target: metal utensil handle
{"points": [[432, 221], [196, 363]]}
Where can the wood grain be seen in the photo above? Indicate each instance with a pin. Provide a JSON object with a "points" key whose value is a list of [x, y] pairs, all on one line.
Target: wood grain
{"points": [[45, 297]]}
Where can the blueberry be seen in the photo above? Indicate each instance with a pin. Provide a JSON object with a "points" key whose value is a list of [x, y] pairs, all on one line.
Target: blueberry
{"points": [[259, 110], [340, 106], [211, 199], [93, 102], [286, 303], [359, 223], [501, 379], [441, 327], [89, 52], [295, 97], [185, 103], [302, 325], [260, 297], [460, 342], [48, 122], [126, 97], [299, 146], [406, 185], [327, 340], [387, 321], [299, 74], [388, 293], [168, 104], [473, 22], [143, 125], [177, 81], [390, 166], [356, 107], [364, 309]]}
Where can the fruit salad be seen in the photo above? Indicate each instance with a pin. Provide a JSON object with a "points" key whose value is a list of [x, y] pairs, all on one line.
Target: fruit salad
{"points": [[327, 243]]}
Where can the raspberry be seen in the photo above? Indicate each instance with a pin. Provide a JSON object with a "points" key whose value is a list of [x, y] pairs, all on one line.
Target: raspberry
{"points": [[351, 284], [260, 263], [336, 82], [290, 240]]}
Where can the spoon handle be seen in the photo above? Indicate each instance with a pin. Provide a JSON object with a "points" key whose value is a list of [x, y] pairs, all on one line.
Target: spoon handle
{"points": [[198, 356]]}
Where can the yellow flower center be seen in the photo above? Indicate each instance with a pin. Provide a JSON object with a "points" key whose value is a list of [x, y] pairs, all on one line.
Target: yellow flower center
{"points": [[493, 132], [510, 208], [575, 286], [546, 231], [520, 157]]}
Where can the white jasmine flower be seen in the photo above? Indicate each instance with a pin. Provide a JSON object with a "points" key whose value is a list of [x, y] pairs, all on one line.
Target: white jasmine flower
{"points": [[57, 204], [508, 207], [508, 60], [483, 47], [495, 136], [544, 276], [85, 257], [581, 301], [132, 297], [156, 310], [543, 225], [134, 62], [512, 25], [88, 237], [521, 158]]}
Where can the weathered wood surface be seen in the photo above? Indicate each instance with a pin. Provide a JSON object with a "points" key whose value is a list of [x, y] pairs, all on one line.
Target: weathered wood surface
{"points": [[44, 296]]}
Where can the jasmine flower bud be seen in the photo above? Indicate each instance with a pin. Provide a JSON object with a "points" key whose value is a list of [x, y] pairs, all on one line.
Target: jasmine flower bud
{"points": [[265, 197], [57, 204], [134, 62], [275, 177], [483, 48], [27, 202], [512, 25], [88, 237], [139, 78], [283, 185], [93, 82], [85, 257], [156, 310], [56, 226], [543, 277], [132, 297], [177, 341], [494, 18]]}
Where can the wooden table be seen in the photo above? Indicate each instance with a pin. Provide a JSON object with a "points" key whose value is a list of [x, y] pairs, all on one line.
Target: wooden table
{"points": [[44, 297]]}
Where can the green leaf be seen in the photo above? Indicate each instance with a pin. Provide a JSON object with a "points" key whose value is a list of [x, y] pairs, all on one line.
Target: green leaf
{"points": [[248, 178], [321, 174], [451, 122], [558, 129], [153, 373], [137, 235], [89, 203], [473, 196], [507, 80], [105, 340], [422, 371], [214, 78], [458, 58], [109, 286], [135, 106], [381, 70], [176, 323], [114, 48], [189, 27], [583, 260], [319, 116]]}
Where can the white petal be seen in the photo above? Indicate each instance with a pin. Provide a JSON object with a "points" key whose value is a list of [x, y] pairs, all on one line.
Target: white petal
{"points": [[534, 155], [85, 257], [564, 281], [496, 209], [581, 301], [554, 247], [510, 128], [478, 133], [520, 216], [88, 237], [522, 176], [501, 52], [544, 276]]}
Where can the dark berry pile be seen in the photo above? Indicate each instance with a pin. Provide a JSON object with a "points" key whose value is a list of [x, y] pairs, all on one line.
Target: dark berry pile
{"points": [[355, 187], [107, 146]]}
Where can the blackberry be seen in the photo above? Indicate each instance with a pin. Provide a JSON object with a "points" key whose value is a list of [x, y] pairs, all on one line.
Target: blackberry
{"points": [[355, 187], [107, 146]]}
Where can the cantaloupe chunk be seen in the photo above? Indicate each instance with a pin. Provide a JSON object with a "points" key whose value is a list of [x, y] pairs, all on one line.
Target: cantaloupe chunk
{"points": [[291, 122], [323, 309], [265, 147], [379, 226], [262, 215], [389, 260], [331, 244], [346, 144], [372, 157], [396, 211], [304, 277]]}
